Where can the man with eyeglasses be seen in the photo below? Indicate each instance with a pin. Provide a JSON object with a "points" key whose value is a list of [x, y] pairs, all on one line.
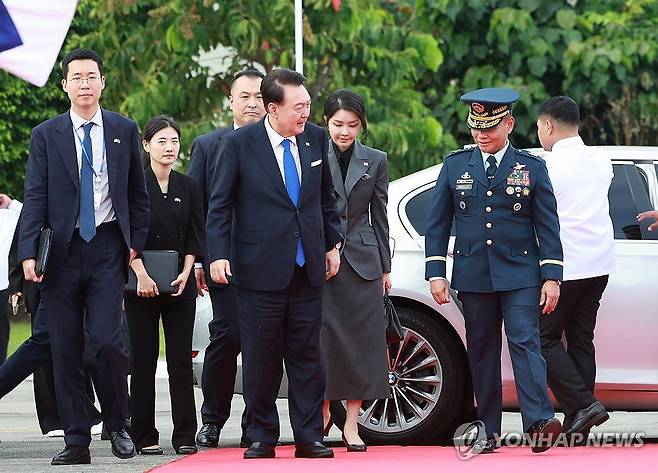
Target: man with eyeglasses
{"points": [[85, 181]]}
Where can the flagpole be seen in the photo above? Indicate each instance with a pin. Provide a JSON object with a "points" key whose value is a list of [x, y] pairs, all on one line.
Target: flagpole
{"points": [[299, 41]]}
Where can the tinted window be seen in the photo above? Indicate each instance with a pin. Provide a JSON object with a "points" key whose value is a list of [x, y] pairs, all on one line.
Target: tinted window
{"points": [[417, 209], [623, 207]]}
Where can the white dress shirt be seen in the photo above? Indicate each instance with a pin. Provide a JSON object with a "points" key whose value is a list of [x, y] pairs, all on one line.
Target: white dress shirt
{"points": [[103, 210], [581, 177], [275, 141], [9, 219], [498, 155]]}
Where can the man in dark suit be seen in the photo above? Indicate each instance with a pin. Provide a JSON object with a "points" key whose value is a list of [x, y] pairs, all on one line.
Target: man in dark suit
{"points": [[85, 180], [281, 238], [507, 261], [220, 361]]}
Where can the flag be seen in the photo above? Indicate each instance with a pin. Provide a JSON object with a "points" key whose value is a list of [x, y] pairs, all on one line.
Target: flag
{"points": [[31, 35]]}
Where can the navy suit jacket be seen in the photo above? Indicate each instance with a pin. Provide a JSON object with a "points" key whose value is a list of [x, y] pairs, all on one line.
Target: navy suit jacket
{"points": [[52, 186], [253, 223], [507, 232]]}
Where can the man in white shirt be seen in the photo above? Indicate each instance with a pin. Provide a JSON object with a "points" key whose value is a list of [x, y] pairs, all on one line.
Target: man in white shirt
{"points": [[10, 210], [581, 177]]}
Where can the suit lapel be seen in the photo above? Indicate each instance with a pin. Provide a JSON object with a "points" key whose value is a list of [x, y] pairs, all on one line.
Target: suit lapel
{"points": [[336, 175], [359, 165], [66, 148], [476, 167], [264, 155], [305, 155], [112, 148], [505, 168], [160, 206]]}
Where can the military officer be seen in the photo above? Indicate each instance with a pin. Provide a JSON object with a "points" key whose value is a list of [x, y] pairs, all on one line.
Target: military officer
{"points": [[507, 261]]}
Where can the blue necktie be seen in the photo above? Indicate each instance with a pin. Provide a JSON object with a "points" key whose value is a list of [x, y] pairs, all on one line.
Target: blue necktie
{"points": [[87, 218], [293, 188], [491, 169]]}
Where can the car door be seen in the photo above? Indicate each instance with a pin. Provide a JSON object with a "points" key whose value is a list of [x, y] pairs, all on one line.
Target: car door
{"points": [[626, 332]]}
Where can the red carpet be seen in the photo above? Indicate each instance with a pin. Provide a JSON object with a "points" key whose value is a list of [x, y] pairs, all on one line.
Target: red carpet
{"points": [[424, 459]]}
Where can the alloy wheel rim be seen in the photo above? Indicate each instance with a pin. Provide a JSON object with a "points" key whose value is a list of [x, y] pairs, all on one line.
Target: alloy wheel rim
{"points": [[415, 380]]}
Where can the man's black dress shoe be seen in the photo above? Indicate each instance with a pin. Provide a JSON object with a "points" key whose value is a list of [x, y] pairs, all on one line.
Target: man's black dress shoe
{"points": [[544, 433], [105, 434], [313, 450], [186, 450], [585, 419], [72, 455], [485, 446], [122, 444], [245, 442], [259, 450], [208, 436], [354, 447]]}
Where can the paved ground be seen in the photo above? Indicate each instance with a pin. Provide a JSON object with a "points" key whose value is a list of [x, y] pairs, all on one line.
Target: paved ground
{"points": [[24, 450]]}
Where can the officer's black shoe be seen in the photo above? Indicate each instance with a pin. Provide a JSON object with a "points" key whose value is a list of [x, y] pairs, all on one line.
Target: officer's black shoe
{"points": [[208, 436], [544, 433], [259, 450], [313, 450], [105, 435], [72, 455], [585, 419], [122, 444], [485, 446]]}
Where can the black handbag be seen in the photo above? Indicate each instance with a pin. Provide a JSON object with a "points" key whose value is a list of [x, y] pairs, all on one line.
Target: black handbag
{"points": [[394, 330]]}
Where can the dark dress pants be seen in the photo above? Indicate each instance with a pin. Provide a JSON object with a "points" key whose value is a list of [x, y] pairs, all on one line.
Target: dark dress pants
{"points": [[220, 360], [572, 370], [85, 293], [177, 316], [519, 310], [276, 327], [4, 324]]}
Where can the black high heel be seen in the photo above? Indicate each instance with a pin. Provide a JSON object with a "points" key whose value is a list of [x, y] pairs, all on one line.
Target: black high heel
{"points": [[354, 447], [327, 428]]}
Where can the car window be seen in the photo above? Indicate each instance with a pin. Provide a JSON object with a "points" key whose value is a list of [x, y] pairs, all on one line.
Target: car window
{"points": [[417, 209], [628, 195]]}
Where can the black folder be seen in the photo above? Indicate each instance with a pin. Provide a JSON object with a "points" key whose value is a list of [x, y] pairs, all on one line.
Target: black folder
{"points": [[43, 252], [161, 266]]}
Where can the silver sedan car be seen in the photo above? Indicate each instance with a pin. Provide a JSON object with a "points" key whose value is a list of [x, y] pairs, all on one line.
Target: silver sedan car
{"points": [[429, 377]]}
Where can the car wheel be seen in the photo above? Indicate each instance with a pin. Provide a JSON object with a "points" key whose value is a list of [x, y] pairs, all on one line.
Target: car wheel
{"points": [[427, 380]]}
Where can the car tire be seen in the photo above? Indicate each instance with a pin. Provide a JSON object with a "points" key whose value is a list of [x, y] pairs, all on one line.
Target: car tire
{"points": [[438, 416]]}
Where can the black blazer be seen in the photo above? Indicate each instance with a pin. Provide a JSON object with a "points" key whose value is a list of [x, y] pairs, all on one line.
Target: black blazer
{"points": [[176, 221], [205, 152], [253, 223], [52, 186]]}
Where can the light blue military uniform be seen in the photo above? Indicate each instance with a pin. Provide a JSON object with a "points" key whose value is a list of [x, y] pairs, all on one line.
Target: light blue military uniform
{"points": [[507, 243]]}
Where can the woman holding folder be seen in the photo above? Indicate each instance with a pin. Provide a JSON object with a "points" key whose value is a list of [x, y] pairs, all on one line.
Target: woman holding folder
{"points": [[176, 223]]}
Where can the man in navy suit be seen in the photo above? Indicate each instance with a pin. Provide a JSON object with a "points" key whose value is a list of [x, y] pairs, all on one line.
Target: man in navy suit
{"points": [[85, 181], [278, 238], [507, 261], [220, 361]]}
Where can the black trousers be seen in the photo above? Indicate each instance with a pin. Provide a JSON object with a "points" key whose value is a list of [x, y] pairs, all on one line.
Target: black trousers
{"points": [[84, 293], [4, 324], [572, 370], [177, 316], [276, 327], [220, 360]]}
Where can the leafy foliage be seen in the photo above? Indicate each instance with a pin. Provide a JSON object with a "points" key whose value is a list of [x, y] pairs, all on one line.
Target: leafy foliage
{"points": [[410, 59]]}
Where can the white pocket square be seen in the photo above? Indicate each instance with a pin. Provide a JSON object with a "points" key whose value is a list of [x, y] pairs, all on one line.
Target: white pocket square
{"points": [[315, 163]]}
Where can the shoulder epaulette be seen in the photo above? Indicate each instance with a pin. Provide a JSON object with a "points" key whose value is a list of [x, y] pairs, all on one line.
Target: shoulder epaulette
{"points": [[528, 154], [458, 151]]}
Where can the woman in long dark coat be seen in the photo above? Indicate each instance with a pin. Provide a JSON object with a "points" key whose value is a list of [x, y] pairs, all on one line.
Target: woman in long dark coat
{"points": [[353, 331]]}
